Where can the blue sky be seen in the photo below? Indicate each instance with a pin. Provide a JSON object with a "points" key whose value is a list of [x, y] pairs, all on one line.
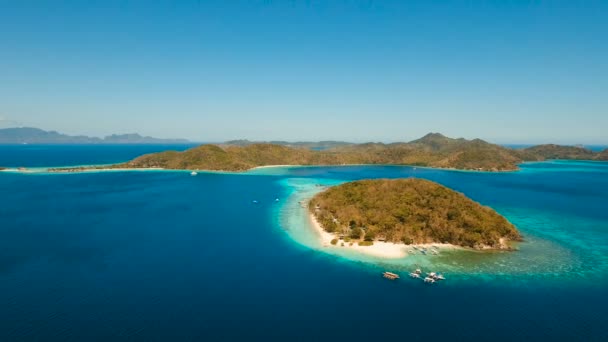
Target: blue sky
{"points": [[504, 71]]}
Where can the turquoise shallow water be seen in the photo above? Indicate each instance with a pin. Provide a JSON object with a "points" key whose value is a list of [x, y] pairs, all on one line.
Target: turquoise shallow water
{"points": [[560, 208], [164, 256]]}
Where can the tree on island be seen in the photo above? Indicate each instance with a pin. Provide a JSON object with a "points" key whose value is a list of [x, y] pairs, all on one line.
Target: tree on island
{"points": [[410, 211]]}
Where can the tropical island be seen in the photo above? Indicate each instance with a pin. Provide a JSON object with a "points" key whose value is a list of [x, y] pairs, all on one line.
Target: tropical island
{"points": [[552, 151], [432, 150], [408, 211]]}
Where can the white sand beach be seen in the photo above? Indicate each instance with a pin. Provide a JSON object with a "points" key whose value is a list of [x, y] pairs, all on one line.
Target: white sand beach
{"points": [[379, 249]]}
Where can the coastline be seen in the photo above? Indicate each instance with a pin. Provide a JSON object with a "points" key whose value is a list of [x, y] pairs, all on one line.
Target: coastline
{"points": [[68, 170], [386, 250], [395, 165], [45, 170], [101, 168]]}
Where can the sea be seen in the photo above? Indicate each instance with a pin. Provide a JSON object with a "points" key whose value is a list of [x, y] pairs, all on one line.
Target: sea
{"points": [[166, 256]]}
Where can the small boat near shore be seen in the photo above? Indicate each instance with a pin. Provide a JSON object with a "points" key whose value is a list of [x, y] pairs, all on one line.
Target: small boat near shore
{"points": [[430, 278], [193, 173], [390, 275]]}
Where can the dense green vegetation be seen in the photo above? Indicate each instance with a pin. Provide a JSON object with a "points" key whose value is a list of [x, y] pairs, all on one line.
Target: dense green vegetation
{"points": [[433, 150], [410, 211]]}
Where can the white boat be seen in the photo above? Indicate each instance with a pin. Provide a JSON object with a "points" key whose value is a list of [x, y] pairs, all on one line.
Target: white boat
{"points": [[415, 275], [440, 277], [418, 271], [429, 280], [193, 173]]}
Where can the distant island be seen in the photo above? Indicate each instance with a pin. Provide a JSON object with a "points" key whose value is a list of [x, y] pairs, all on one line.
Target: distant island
{"points": [[29, 135], [433, 150], [409, 211]]}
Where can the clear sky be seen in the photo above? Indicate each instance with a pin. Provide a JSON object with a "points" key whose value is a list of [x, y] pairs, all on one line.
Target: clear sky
{"points": [[504, 71]]}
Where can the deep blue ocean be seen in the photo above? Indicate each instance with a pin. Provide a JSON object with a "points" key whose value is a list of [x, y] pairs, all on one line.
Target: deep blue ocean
{"points": [[164, 256]]}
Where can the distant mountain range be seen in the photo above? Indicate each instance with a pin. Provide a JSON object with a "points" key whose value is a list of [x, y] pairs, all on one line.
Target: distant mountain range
{"points": [[29, 135]]}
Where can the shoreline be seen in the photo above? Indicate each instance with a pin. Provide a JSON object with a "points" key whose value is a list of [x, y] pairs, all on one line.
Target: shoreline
{"points": [[92, 168], [68, 170], [101, 168], [45, 170], [386, 250], [393, 165]]}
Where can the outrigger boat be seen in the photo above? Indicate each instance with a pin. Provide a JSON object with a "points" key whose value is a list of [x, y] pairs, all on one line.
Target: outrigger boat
{"points": [[390, 275], [431, 277], [435, 276]]}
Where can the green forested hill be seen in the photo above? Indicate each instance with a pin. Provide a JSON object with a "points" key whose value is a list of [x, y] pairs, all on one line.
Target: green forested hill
{"points": [[231, 158], [410, 211], [602, 155], [552, 151], [471, 155]]}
